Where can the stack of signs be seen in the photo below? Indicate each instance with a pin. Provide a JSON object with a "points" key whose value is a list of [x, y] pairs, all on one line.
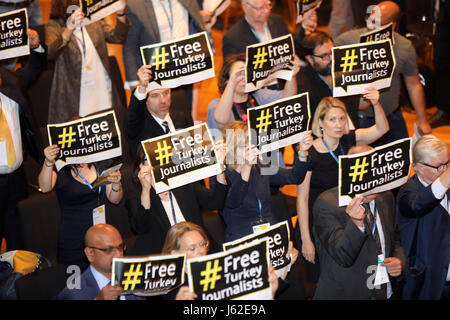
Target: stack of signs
{"points": [[278, 124], [381, 169], [183, 61], [95, 10], [356, 67], [383, 33], [278, 237], [148, 276], [182, 157], [86, 140], [14, 34], [240, 273], [268, 61], [305, 5]]}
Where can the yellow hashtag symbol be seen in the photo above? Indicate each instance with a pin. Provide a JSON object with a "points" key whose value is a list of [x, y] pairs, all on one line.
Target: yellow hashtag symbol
{"points": [[88, 2], [359, 170], [159, 59], [210, 275], [66, 138], [349, 61], [260, 58], [263, 120], [163, 152], [131, 277]]}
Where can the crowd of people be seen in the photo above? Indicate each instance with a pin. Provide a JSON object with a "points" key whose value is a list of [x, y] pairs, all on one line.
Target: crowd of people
{"points": [[408, 227]]}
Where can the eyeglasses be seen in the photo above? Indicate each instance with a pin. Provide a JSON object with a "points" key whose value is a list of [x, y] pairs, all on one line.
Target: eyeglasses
{"points": [[109, 250], [440, 167], [262, 8], [323, 56], [201, 245]]}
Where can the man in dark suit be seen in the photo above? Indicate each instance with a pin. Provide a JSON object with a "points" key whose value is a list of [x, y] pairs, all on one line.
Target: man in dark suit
{"points": [[424, 222], [103, 243], [350, 241], [19, 137], [259, 25], [148, 114], [315, 78]]}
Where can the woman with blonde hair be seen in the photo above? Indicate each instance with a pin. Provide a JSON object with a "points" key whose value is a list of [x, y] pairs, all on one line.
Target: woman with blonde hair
{"points": [[330, 126]]}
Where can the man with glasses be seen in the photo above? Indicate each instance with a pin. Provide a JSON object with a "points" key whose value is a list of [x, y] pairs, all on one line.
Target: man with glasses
{"points": [[260, 25], [424, 222], [103, 242], [315, 78]]}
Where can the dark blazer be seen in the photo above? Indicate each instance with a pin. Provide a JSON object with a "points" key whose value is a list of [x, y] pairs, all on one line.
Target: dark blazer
{"points": [[13, 85], [346, 253], [240, 35], [88, 289], [308, 80], [153, 224], [417, 206], [140, 124]]}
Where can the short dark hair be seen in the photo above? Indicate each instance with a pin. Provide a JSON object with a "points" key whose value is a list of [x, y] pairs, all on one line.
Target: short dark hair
{"points": [[224, 74], [58, 9], [313, 40]]}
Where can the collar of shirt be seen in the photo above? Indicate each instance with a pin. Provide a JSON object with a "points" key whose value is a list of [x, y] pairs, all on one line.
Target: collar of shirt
{"points": [[166, 118], [100, 278], [262, 37]]}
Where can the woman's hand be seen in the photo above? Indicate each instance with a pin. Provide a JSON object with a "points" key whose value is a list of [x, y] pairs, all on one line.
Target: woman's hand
{"points": [[145, 177], [306, 142], [185, 294], [115, 178], [309, 251], [295, 67], [372, 94], [51, 153]]}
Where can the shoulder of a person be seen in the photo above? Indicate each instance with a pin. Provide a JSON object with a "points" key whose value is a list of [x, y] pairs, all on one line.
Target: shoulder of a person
{"points": [[349, 37]]}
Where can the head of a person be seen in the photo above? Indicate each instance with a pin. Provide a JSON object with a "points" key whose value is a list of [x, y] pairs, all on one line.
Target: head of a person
{"points": [[235, 137], [256, 11], [330, 119], [186, 238], [158, 102], [316, 48], [384, 13], [430, 158], [362, 149], [231, 63], [62, 9], [139, 161], [103, 242]]}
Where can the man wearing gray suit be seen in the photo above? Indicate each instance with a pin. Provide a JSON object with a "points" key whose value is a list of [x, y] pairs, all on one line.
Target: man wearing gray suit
{"points": [[350, 241]]}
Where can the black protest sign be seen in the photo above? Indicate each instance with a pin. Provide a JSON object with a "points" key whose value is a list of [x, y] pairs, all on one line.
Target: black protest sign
{"points": [[240, 273], [95, 10], [278, 237], [383, 168], [302, 6], [383, 33], [148, 276], [279, 124], [86, 140], [182, 157], [268, 61], [183, 61], [359, 66], [14, 34]]}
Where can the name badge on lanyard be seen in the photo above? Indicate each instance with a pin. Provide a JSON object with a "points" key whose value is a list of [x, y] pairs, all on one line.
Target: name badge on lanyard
{"points": [[87, 74], [98, 213], [260, 224], [382, 274]]}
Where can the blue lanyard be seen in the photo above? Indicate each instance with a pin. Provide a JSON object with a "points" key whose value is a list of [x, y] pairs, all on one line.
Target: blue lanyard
{"points": [[167, 15], [173, 208], [330, 151], [83, 43], [87, 183], [374, 219], [260, 209]]}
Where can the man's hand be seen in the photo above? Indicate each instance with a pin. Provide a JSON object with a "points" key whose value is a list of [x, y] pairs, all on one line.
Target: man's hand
{"points": [[393, 265], [35, 41], [109, 293]]}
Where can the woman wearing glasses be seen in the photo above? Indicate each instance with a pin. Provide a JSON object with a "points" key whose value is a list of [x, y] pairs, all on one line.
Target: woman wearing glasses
{"points": [[330, 126]]}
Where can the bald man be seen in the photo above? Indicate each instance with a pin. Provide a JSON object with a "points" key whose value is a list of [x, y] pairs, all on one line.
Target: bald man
{"points": [[103, 242], [348, 249], [406, 66]]}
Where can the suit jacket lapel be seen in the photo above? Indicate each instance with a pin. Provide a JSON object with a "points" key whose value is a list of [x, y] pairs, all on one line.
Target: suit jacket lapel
{"points": [[161, 214], [151, 22], [383, 212]]}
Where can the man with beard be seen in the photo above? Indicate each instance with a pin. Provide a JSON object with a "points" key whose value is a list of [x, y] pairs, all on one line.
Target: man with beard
{"points": [[316, 78]]}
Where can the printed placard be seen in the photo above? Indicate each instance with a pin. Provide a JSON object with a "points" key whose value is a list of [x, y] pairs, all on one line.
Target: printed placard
{"points": [[182, 157], [384, 33], [14, 34], [359, 66], [240, 273], [217, 7], [148, 276], [381, 169], [279, 124], [183, 61], [95, 10], [305, 5], [268, 61], [86, 140], [278, 237]]}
